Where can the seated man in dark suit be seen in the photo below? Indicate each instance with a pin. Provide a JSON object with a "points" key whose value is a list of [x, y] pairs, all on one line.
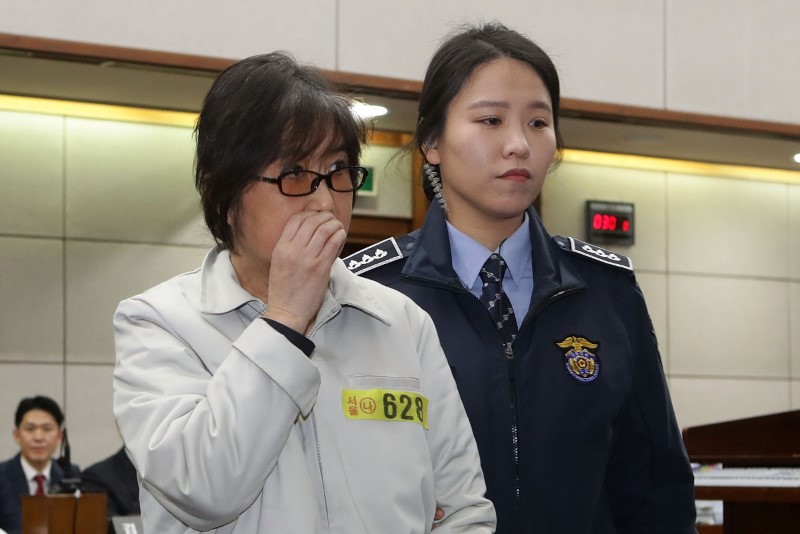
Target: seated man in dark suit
{"points": [[9, 513], [116, 477], [38, 432]]}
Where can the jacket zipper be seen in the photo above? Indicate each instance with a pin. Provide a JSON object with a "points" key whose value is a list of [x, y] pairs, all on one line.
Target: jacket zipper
{"points": [[509, 353], [321, 476], [512, 390], [311, 331], [549, 300], [512, 384]]}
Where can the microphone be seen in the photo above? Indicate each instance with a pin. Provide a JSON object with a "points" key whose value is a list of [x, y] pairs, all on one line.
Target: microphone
{"points": [[71, 481]]}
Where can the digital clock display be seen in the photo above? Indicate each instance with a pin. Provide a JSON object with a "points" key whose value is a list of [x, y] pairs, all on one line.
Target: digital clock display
{"points": [[609, 222]]}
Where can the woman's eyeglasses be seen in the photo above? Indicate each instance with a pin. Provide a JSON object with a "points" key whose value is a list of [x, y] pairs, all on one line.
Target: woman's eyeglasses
{"points": [[299, 182]]}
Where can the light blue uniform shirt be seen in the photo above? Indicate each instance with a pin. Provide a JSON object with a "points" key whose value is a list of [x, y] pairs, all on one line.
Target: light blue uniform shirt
{"points": [[469, 256]]}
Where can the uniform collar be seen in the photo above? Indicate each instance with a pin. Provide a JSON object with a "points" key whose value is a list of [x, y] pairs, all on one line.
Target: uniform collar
{"points": [[221, 292], [469, 255], [431, 258], [553, 270]]}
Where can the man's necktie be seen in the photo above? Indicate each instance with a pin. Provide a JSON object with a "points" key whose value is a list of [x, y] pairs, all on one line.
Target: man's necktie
{"points": [[496, 301], [40, 479]]}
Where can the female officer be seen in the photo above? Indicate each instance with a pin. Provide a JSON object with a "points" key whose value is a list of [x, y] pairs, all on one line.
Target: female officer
{"points": [[271, 390], [559, 370]]}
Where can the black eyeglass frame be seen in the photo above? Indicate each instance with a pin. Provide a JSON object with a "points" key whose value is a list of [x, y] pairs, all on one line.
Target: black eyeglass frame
{"points": [[363, 172]]}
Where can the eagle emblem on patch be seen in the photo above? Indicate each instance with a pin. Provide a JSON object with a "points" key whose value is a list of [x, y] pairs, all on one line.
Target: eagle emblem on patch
{"points": [[582, 364]]}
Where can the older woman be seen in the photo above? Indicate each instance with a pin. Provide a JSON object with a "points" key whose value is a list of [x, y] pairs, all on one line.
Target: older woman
{"points": [[271, 390]]}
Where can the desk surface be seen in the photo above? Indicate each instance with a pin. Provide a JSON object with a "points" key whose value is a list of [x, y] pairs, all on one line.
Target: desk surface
{"points": [[768, 477], [731, 494]]}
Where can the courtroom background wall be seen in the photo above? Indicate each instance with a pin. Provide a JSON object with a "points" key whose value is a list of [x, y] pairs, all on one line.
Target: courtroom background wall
{"points": [[93, 211]]}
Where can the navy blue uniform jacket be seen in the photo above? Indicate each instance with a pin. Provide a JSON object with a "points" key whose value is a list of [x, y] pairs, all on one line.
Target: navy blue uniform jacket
{"points": [[598, 448]]}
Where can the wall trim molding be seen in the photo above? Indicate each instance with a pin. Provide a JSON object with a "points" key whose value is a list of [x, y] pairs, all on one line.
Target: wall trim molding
{"points": [[403, 88]]}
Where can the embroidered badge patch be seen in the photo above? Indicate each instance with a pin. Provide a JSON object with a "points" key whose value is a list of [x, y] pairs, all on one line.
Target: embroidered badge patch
{"points": [[374, 256], [600, 254], [582, 364], [385, 405]]}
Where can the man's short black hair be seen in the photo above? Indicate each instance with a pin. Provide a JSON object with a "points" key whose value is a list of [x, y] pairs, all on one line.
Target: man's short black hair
{"points": [[38, 402]]}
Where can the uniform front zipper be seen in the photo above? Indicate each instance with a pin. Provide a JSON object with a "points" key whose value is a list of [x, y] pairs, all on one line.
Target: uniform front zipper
{"points": [[549, 300], [509, 353], [512, 383], [313, 419], [512, 388], [319, 464]]}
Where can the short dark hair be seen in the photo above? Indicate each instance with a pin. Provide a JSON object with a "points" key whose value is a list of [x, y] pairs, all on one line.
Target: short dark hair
{"points": [[263, 109], [456, 59], [38, 402]]}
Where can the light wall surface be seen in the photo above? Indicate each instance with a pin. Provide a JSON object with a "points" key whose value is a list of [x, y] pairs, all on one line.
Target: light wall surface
{"points": [[91, 212], [734, 58], [94, 211], [717, 261]]}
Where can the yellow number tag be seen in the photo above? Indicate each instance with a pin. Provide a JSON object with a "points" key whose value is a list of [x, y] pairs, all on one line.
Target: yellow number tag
{"points": [[385, 405]]}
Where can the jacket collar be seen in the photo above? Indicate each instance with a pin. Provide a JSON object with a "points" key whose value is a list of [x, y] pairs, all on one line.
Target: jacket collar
{"points": [[31, 471], [430, 259], [219, 286], [221, 292], [53, 472], [348, 289], [553, 271]]}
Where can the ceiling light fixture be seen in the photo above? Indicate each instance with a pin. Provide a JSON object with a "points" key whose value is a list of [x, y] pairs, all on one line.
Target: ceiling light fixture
{"points": [[368, 111], [797, 158]]}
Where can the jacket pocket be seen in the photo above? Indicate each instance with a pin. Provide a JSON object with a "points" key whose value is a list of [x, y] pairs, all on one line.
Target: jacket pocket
{"points": [[409, 383]]}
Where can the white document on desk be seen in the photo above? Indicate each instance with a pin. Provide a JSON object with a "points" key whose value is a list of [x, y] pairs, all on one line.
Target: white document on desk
{"points": [[768, 477]]}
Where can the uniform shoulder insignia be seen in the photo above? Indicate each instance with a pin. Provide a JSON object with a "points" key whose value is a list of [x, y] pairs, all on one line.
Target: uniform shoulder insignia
{"points": [[373, 256], [570, 244]]}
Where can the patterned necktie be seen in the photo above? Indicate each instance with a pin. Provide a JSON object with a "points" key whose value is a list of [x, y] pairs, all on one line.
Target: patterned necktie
{"points": [[39, 484], [496, 301]]}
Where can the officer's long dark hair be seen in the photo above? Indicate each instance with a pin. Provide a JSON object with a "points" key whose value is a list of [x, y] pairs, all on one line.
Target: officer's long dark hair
{"points": [[264, 109], [455, 60]]}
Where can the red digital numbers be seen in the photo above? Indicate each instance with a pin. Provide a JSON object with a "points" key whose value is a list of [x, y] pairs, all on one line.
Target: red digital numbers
{"points": [[609, 222], [604, 221]]}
